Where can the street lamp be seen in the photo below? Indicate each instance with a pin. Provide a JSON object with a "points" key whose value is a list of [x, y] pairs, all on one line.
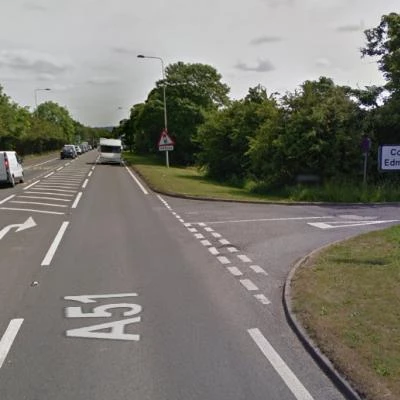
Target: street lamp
{"points": [[37, 90], [163, 76]]}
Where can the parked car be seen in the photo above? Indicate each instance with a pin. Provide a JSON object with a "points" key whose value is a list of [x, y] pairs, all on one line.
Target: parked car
{"points": [[11, 170], [78, 150], [68, 151]]}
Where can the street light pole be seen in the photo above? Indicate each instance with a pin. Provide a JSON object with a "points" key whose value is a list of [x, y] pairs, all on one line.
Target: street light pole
{"points": [[35, 92], [164, 98]]}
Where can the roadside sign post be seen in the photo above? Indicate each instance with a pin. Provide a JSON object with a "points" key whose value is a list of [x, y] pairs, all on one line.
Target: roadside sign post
{"points": [[366, 147], [165, 143]]}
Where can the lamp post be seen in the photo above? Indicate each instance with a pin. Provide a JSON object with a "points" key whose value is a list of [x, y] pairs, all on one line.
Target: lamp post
{"points": [[164, 96], [35, 92]]}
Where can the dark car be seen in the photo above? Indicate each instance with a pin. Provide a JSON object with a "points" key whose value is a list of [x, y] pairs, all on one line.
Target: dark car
{"points": [[68, 151]]}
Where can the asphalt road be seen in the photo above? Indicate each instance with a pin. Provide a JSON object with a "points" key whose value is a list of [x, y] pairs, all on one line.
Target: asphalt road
{"points": [[114, 292]]}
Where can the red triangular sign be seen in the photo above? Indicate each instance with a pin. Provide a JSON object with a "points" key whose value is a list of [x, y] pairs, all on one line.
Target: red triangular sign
{"points": [[165, 139]]}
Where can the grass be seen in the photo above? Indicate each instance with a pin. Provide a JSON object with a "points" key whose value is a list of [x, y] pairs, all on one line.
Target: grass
{"points": [[348, 299], [187, 181], [190, 181]]}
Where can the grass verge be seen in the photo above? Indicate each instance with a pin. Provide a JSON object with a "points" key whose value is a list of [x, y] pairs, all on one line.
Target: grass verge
{"points": [[188, 181], [191, 182], [348, 299]]}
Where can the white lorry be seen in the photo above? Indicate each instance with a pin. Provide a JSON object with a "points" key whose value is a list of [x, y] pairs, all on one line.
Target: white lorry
{"points": [[11, 170], [110, 151]]}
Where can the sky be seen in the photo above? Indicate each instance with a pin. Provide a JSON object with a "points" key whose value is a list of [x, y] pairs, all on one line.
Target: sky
{"points": [[85, 51]]}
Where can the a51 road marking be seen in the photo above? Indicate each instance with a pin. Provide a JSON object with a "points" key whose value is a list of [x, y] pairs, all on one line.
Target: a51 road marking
{"points": [[116, 329]]}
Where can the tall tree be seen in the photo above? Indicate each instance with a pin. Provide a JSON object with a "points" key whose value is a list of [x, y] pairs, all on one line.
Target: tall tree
{"points": [[384, 42]]}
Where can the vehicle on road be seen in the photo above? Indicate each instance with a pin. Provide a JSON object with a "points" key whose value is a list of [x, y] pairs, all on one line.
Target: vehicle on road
{"points": [[110, 151], [11, 170], [68, 151], [78, 150]]}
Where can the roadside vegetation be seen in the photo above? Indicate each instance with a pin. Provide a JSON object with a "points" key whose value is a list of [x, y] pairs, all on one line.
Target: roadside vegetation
{"points": [[348, 299], [193, 182], [270, 142]]}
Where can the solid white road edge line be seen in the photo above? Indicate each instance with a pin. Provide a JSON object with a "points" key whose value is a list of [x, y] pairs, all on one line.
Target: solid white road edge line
{"points": [[7, 198], [291, 380], [53, 248], [265, 220], [32, 184], [32, 210], [143, 189], [78, 197], [8, 338]]}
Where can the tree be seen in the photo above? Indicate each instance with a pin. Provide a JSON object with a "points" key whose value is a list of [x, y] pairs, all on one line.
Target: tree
{"points": [[384, 42], [58, 115]]}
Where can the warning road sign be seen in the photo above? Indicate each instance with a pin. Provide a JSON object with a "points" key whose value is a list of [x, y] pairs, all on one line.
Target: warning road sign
{"points": [[165, 140]]}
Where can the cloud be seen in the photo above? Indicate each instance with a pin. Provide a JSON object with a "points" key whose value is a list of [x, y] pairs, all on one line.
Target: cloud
{"points": [[124, 50], [103, 80], [278, 3], [262, 66], [323, 62], [351, 27], [28, 60], [45, 76], [265, 39], [34, 6]]}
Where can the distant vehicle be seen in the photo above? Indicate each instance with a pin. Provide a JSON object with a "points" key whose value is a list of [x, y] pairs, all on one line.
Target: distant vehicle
{"points": [[110, 151], [11, 169], [68, 151], [78, 150]]}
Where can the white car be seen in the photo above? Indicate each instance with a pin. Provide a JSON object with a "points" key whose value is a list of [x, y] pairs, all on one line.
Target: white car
{"points": [[11, 170]]}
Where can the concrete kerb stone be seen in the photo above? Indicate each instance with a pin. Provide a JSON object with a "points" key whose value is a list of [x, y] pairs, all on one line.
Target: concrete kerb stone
{"points": [[323, 362]]}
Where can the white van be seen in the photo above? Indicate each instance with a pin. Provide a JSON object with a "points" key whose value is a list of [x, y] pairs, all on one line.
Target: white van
{"points": [[110, 151], [11, 170]]}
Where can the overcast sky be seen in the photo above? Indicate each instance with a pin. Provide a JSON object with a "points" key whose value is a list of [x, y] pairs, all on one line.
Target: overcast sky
{"points": [[85, 50]]}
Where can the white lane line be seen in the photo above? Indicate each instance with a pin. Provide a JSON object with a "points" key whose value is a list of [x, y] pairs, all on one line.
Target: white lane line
{"points": [[205, 243], [213, 251], [37, 203], [42, 163], [32, 184], [78, 197], [258, 270], [181, 220], [262, 299], [223, 260], [85, 183], [32, 210], [58, 194], [201, 224], [267, 220], [50, 174], [216, 235], [7, 198], [208, 229], [46, 187], [59, 169], [188, 225], [90, 174], [291, 380], [199, 236], [56, 242], [193, 230], [142, 188], [177, 216], [92, 168], [42, 198], [249, 285], [68, 163], [8, 338], [244, 258], [235, 271], [232, 249], [224, 241]]}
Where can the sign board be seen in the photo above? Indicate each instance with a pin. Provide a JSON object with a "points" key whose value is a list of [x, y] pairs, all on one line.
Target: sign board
{"points": [[165, 143], [389, 158]]}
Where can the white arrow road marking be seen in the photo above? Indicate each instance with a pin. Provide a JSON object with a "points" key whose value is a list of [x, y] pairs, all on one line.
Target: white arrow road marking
{"points": [[341, 224], [29, 223]]}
